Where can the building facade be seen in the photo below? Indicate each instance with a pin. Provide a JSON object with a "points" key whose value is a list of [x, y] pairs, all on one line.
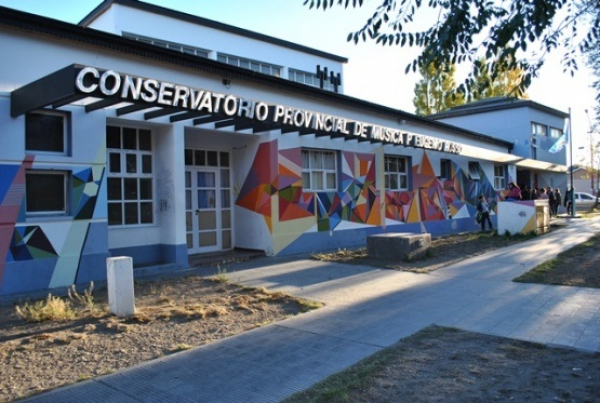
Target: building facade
{"points": [[535, 130], [159, 135]]}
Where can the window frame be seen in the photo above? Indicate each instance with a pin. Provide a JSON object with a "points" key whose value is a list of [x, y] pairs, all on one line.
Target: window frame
{"points": [[179, 47], [387, 159], [273, 70], [125, 177], [474, 170], [555, 132], [66, 130], [445, 169], [65, 211], [308, 78], [500, 178], [323, 171], [535, 126]]}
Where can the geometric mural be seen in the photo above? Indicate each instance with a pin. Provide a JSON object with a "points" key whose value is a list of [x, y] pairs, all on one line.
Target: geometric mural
{"points": [[12, 193], [56, 246], [30, 243], [278, 173], [84, 193]]}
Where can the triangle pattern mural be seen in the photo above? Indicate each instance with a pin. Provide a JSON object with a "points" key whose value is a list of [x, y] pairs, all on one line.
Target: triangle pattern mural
{"points": [[30, 243]]}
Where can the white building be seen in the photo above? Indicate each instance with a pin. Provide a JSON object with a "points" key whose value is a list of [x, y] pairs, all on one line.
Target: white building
{"points": [[159, 135]]}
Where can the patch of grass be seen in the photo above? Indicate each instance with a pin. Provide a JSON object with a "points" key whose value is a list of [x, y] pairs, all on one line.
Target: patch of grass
{"points": [[338, 387], [52, 308], [221, 276], [85, 301], [181, 347], [575, 266], [341, 254]]}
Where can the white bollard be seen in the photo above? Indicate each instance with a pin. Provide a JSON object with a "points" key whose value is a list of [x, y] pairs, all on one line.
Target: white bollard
{"points": [[119, 273]]}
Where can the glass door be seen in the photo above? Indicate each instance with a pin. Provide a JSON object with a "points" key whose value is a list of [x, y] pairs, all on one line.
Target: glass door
{"points": [[208, 205]]}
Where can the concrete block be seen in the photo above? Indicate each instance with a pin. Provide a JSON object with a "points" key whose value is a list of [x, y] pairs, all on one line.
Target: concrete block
{"points": [[119, 276], [404, 246]]}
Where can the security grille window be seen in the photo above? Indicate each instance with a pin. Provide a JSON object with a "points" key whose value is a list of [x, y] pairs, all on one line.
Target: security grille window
{"points": [[46, 192], [539, 129], [474, 171], [319, 170], [396, 173], [445, 169], [190, 50], [46, 132], [130, 176], [555, 133], [499, 177], [254, 65], [307, 78]]}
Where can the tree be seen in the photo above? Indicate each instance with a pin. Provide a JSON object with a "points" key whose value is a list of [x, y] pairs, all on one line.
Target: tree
{"points": [[434, 92], [488, 85], [467, 29], [592, 53]]}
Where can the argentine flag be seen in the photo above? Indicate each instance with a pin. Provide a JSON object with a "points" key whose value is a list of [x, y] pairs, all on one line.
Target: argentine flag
{"points": [[561, 142]]}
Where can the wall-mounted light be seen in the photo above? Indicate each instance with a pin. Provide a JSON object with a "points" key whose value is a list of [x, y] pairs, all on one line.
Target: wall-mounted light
{"points": [[227, 83]]}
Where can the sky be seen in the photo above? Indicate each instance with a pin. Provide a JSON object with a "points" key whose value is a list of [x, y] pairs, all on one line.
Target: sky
{"points": [[374, 73]]}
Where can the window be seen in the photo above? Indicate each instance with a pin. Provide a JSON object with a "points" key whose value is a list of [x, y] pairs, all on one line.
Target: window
{"points": [[253, 65], [539, 129], [311, 79], [499, 177], [319, 170], [474, 171], [46, 132], [396, 173], [179, 47], [130, 176], [555, 133], [445, 169], [46, 192]]}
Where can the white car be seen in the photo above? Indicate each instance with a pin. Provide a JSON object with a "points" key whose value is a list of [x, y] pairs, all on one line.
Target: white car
{"points": [[584, 201]]}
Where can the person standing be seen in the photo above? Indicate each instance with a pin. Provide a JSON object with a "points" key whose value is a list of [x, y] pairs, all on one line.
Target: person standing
{"points": [[550, 194], [514, 193], [525, 192], [569, 200], [484, 208], [557, 201]]}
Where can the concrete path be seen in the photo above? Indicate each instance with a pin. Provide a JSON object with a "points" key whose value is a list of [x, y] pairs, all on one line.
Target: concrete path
{"points": [[367, 309]]}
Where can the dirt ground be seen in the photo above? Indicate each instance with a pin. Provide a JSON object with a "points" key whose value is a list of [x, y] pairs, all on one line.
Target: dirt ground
{"points": [[441, 364], [183, 312], [171, 315], [443, 252]]}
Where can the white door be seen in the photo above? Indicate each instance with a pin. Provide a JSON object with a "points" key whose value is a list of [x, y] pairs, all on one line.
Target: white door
{"points": [[208, 203]]}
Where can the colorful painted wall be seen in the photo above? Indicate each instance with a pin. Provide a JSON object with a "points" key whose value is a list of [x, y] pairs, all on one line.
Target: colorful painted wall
{"points": [[52, 253], [304, 221]]}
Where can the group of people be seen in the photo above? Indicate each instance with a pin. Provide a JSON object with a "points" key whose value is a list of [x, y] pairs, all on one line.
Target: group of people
{"points": [[515, 193], [553, 196]]}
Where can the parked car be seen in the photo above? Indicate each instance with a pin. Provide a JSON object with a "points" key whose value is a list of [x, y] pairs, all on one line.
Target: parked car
{"points": [[584, 201]]}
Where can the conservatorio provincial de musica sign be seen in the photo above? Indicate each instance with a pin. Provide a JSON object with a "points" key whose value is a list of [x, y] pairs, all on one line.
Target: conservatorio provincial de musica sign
{"points": [[108, 83]]}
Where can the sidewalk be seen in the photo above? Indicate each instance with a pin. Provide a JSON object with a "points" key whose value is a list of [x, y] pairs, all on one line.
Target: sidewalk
{"points": [[367, 309]]}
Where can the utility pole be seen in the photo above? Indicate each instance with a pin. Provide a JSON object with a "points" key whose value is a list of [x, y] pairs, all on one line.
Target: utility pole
{"points": [[590, 132], [572, 190]]}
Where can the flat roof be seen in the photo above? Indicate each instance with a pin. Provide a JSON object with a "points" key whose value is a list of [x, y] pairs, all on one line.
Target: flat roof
{"points": [[496, 104], [194, 19]]}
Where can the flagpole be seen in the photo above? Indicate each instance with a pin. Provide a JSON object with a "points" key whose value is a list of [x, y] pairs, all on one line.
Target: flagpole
{"points": [[572, 190]]}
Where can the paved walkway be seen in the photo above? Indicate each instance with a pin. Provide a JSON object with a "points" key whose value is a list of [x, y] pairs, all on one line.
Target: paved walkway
{"points": [[367, 309]]}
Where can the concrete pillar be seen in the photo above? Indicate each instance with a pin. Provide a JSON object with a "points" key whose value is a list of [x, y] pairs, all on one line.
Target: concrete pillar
{"points": [[119, 275]]}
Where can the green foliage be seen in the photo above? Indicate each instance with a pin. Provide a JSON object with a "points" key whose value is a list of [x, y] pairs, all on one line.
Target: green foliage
{"points": [[436, 91], [468, 29]]}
